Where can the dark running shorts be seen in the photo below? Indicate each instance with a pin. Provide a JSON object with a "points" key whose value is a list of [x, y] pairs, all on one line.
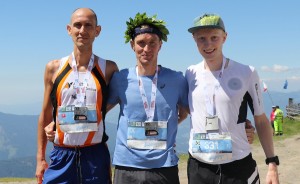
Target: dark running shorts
{"points": [[242, 171], [129, 175]]}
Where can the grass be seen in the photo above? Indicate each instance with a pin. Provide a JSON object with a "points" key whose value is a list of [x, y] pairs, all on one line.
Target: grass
{"points": [[290, 128], [183, 159], [6, 180]]}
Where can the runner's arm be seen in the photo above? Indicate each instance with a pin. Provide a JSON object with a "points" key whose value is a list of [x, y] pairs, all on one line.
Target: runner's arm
{"points": [[264, 132], [182, 113], [111, 68], [44, 119]]}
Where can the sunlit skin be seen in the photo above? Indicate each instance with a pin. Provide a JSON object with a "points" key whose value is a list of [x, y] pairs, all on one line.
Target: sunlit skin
{"points": [[146, 47], [83, 29], [210, 43]]}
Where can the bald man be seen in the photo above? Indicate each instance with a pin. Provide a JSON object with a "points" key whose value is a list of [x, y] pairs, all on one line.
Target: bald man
{"points": [[75, 99]]}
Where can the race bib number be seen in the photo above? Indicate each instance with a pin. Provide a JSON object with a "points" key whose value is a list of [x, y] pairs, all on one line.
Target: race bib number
{"points": [[211, 143], [77, 119], [212, 147], [147, 135]]}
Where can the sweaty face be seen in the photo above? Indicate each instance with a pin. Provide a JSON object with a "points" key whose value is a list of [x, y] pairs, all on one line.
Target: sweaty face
{"points": [[210, 42], [83, 28], [146, 47]]}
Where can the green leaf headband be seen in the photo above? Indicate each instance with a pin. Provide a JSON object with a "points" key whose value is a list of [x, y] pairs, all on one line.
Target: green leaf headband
{"points": [[158, 26]]}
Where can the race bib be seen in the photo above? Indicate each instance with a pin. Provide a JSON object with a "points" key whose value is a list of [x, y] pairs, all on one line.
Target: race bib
{"points": [[212, 147], [77, 119], [147, 135]]}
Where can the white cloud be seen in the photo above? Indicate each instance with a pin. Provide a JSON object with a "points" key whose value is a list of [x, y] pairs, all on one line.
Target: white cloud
{"points": [[279, 68], [275, 68], [280, 79], [294, 78], [265, 68]]}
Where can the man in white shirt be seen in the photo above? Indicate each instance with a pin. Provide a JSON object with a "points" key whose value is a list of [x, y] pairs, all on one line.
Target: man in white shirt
{"points": [[218, 147]]}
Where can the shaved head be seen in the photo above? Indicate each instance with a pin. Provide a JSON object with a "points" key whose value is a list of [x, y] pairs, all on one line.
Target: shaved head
{"points": [[85, 9]]}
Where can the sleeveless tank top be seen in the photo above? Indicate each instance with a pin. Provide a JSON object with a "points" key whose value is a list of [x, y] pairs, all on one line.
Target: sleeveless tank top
{"points": [[63, 94]]}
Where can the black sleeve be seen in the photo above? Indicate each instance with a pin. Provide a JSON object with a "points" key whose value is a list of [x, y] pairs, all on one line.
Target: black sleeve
{"points": [[247, 100]]}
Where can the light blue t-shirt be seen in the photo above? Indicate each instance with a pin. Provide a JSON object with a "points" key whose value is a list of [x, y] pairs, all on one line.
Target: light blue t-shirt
{"points": [[172, 90]]}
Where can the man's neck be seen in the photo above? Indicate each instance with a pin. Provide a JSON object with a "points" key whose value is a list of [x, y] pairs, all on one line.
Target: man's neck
{"points": [[213, 64], [82, 57], [146, 70]]}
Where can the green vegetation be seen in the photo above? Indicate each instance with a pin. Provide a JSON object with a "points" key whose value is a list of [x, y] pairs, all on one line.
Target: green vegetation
{"points": [[144, 19], [183, 158], [6, 180], [183, 162], [290, 128]]}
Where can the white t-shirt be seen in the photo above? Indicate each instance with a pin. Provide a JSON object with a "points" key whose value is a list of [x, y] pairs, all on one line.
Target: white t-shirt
{"points": [[235, 81]]}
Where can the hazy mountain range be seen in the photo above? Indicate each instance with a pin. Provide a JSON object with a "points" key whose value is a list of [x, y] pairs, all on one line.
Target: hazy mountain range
{"points": [[18, 134]]}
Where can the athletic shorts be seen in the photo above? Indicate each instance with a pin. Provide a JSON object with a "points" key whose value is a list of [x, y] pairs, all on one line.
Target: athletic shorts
{"points": [[89, 164], [238, 172], [129, 175]]}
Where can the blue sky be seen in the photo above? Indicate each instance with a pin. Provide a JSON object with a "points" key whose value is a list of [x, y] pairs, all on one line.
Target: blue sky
{"points": [[264, 34]]}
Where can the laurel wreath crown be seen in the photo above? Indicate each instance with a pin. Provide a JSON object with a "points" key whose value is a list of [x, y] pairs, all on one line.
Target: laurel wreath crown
{"points": [[143, 19]]}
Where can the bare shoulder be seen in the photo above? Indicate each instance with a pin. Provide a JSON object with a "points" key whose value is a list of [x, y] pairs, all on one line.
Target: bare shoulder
{"points": [[53, 65], [111, 68], [51, 69]]}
